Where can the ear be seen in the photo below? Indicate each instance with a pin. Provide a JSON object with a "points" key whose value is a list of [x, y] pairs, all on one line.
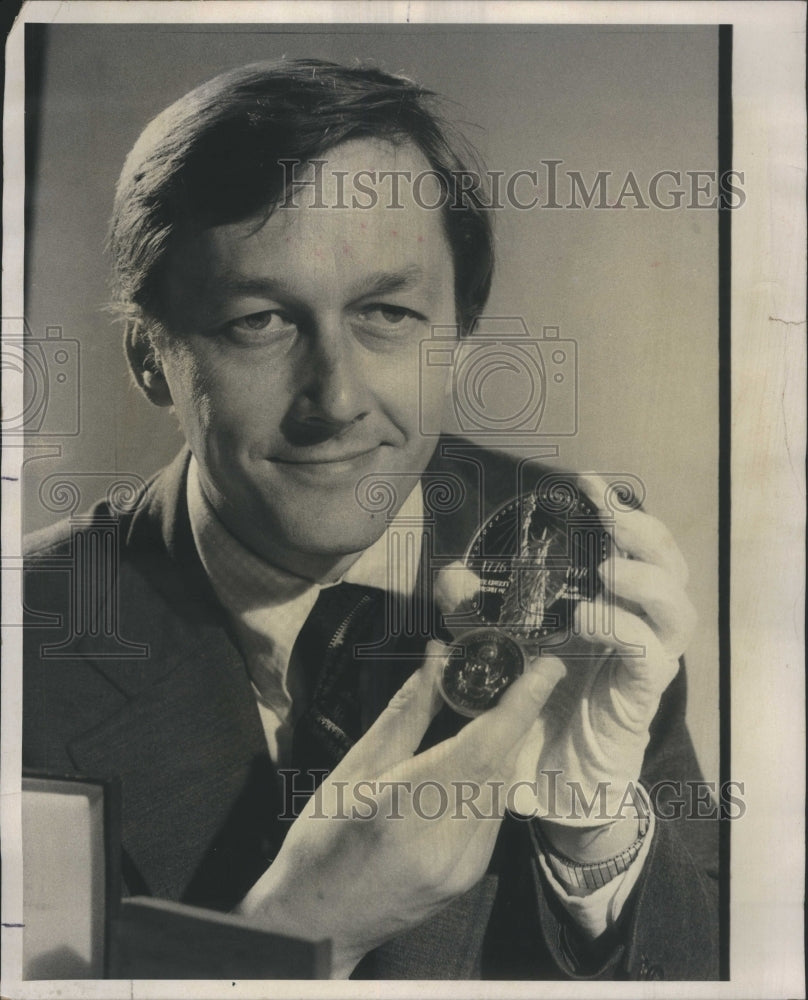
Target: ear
{"points": [[144, 363]]}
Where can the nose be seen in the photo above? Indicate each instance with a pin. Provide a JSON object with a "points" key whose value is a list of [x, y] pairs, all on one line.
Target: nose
{"points": [[333, 393]]}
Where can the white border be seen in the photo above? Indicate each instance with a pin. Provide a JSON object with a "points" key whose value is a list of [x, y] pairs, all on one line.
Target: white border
{"points": [[768, 485]]}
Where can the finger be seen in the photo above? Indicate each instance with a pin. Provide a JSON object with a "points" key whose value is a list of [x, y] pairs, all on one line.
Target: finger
{"points": [[476, 768], [487, 746], [645, 664], [657, 595], [456, 587], [637, 533], [398, 731]]}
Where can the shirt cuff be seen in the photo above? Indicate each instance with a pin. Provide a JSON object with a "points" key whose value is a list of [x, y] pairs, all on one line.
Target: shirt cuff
{"points": [[600, 910]]}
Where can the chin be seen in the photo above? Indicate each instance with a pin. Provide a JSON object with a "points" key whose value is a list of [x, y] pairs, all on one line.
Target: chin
{"points": [[331, 536]]}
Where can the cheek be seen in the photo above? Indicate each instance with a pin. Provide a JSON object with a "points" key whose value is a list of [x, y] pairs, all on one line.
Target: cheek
{"points": [[214, 399], [201, 401], [183, 374], [436, 386], [411, 385], [417, 404]]}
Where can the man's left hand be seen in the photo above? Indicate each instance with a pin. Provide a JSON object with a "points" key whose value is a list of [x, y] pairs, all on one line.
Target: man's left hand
{"points": [[586, 750]]}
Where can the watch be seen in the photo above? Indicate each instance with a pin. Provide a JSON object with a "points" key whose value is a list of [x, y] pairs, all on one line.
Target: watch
{"points": [[591, 875]]}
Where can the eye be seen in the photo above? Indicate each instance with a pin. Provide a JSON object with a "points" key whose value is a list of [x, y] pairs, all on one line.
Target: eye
{"points": [[260, 326], [390, 314], [259, 321], [384, 314]]}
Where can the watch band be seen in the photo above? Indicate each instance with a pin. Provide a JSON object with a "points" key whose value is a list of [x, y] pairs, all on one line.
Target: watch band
{"points": [[595, 874]]}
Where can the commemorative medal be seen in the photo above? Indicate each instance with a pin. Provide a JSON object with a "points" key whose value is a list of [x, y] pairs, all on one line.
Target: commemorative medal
{"points": [[536, 559]]}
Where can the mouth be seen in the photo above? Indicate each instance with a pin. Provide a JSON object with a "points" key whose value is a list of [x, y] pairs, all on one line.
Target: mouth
{"points": [[330, 466], [328, 458]]}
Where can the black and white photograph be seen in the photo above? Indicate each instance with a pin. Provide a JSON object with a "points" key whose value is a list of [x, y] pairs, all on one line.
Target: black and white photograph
{"points": [[403, 480]]}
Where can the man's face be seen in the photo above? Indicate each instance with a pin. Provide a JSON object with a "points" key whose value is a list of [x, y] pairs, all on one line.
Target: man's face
{"points": [[294, 361]]}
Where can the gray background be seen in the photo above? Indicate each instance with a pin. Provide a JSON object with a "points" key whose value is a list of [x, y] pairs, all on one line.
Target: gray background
{"points": [[636, 290]]}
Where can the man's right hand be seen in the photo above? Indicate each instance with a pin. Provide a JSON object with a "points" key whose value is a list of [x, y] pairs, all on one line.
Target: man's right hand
{"points": [[376, 865]]}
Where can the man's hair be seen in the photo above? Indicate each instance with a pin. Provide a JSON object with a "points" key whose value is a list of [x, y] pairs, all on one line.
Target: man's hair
{"points": [[212, 158]]}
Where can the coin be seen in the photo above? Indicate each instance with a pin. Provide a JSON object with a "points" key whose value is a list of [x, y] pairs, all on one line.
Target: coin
{"points": [[479, 667], [535, 562]]}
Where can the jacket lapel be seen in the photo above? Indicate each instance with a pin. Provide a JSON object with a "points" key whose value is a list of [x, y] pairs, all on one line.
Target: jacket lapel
{"points": [[188, 741]]}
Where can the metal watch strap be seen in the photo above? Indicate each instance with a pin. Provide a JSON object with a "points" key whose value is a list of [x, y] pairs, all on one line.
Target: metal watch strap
{"points": [[592, 875]]}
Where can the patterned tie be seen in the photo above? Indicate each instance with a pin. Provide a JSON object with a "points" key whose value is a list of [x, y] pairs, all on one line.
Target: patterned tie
{"points": [[328, 676], [346, 684]]}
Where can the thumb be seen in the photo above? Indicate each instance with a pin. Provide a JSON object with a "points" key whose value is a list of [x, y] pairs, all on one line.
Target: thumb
{"points": [[398, 731], [542, 674]]}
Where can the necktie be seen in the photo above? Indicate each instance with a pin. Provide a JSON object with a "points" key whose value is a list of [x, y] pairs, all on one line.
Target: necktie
{"points": [[346, 686], [329, 674]]}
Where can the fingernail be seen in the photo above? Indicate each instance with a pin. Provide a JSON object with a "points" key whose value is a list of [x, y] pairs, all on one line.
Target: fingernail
{"points": [[607, 565]]}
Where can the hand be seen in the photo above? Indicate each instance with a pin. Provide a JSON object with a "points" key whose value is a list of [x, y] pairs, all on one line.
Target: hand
{"points": [[360, 876], [592, 733]]}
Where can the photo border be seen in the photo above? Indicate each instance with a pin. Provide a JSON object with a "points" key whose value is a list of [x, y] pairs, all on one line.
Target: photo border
{"points": [[775, 931]]}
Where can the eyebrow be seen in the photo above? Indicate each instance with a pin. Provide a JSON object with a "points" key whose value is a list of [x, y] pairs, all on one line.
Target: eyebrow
{"points": [[384, 282], [375, 283]]}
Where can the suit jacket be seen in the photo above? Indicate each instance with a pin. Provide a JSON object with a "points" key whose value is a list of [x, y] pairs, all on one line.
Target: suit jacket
{"points": [[130, 670]]}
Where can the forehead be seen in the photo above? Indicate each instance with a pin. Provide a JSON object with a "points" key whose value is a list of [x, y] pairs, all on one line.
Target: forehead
{"points": [[365, 209]]}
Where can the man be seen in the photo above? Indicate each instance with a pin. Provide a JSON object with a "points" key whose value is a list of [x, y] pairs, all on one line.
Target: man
{"points": [[280, 311]]}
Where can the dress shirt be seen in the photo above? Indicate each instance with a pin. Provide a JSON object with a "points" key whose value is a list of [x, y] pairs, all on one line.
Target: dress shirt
{"points": [[267, 608]]}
